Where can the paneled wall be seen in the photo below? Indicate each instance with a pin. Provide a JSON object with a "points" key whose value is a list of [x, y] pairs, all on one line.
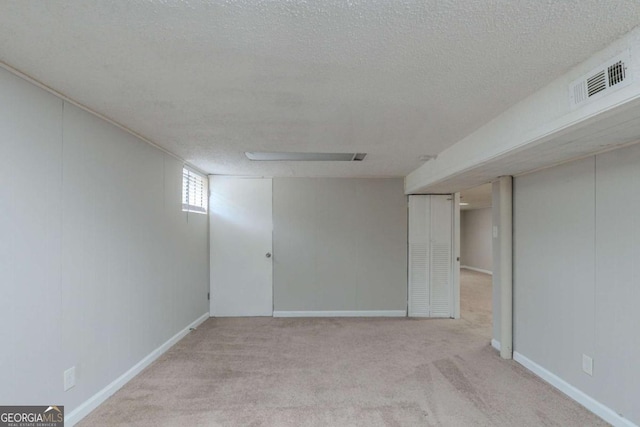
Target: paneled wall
{"points": [[99, 266], [576, 276]]}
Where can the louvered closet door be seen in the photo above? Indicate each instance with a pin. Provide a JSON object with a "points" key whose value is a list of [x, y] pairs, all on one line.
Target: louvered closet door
{"points": [[419, 225], [430, 256], [441, 282]]}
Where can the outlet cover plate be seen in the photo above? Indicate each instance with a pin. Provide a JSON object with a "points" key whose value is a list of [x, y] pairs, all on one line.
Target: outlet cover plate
{"points": [[69, 378], [587, 364]]}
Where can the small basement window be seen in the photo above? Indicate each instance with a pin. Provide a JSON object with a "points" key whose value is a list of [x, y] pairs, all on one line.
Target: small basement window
{"points": [[194, 192]]}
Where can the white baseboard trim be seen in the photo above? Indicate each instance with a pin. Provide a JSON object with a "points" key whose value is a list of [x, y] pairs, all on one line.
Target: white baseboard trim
{"points": [[495, 344], [604, 412], [94, 401], [342, 313], [479, 270]]}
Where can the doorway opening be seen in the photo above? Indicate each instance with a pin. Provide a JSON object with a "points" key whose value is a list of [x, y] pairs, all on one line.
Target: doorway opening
{"points": [[476, 258]]}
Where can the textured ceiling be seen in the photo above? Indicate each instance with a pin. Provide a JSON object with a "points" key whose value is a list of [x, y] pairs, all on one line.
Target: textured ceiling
{"points": [[395, 79]]}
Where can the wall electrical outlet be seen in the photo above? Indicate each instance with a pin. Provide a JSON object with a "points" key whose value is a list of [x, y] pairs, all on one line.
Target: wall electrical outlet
{"points": [[69, 378], [587, 365]]}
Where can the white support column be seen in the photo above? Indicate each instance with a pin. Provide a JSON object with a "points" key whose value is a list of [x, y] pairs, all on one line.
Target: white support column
{"points": [[505, 240]]}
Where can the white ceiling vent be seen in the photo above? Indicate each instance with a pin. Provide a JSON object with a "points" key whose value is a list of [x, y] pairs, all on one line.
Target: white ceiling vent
{"points": [[612, 75]]}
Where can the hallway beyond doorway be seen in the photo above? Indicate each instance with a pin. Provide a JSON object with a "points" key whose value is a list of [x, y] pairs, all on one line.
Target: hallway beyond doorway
{"points": [[476, 301]]}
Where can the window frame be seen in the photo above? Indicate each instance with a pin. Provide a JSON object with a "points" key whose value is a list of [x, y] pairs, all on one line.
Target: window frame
{"points": [[200, 188]]}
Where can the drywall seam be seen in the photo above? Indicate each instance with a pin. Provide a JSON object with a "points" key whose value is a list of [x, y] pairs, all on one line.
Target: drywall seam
{"points": [[94, 401], [601, 410], [65, 98]]}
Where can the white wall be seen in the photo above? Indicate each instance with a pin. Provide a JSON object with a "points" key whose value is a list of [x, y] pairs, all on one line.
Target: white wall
{"points": [[98, 264], [339, 244], [475, 239], [576, 252]]}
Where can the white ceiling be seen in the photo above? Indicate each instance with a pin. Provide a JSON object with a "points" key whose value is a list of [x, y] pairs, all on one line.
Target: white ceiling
{"points": [[209, 80]]}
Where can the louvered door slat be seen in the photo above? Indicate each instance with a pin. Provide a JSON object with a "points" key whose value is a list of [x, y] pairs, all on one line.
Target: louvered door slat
{"points": [[419, 225], [441, 251]]}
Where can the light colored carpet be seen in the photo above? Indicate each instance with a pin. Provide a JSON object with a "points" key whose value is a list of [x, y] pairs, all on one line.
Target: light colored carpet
{"points": [[342, 372]]}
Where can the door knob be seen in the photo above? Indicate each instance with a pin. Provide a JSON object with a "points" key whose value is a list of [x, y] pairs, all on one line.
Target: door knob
{"points": [[268, 255]]}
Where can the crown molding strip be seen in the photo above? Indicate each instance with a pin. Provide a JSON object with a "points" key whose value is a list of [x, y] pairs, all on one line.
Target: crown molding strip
{"points": [[65, 98]]}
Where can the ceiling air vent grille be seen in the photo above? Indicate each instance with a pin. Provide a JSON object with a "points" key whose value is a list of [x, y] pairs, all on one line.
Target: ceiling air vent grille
{"points": [[601, 81], [596, 84], [579, 93], [616, 73]]}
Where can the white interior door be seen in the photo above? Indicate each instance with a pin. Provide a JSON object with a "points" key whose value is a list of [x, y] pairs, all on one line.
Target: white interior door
{"points": [[431, 280], [441, 274], [241, 225], [419, 245]]}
